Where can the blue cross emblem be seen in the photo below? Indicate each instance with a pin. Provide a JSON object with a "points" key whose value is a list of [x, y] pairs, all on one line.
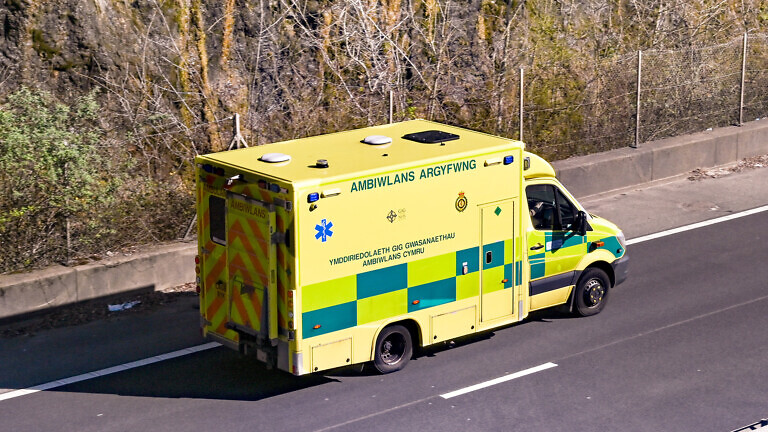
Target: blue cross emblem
{"points": [[324, 230]]}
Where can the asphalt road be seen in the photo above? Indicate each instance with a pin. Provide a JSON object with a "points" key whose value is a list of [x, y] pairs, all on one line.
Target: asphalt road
{"points": [[681, 346]]}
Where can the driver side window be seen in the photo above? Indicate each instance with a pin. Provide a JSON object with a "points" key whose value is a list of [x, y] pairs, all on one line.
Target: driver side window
{"points": [[568, 212], [550, 209], [541, 206]]}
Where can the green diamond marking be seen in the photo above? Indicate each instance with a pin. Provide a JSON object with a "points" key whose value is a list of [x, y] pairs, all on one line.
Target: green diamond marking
{"points": [[497, 211]]}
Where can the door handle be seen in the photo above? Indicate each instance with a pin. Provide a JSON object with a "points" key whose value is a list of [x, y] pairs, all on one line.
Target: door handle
{"points": [[537, 247]]}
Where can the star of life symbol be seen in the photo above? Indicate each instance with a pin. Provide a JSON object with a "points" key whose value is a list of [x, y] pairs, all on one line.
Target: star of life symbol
{"points": [[392, 216], [324, 230]]}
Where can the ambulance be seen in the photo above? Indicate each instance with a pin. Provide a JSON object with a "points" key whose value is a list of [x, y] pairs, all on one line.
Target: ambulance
{"points": [[364, 245]]}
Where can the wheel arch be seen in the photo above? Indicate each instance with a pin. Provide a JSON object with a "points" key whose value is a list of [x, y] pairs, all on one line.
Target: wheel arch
{"points": [[410, 324], [606, 267]]}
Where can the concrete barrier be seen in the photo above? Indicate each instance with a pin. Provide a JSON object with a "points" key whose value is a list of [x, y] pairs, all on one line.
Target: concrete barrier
{"points": [[157, 268], [591, 174], [170, 265]]}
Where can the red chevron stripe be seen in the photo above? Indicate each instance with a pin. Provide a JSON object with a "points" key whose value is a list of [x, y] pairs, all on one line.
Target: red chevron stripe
{"points": [[214, 307], [237, 267], [215, 272], [206, 222], [222, 328], [259, 236], [238, 302], [236, 233], [237, 264]]}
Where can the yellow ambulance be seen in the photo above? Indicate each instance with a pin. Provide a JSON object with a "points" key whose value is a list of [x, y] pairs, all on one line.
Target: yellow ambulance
{"points": [[360, 245]]}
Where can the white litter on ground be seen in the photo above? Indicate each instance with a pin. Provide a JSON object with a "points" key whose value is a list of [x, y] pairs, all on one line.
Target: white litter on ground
{"points": [[123, 306]]}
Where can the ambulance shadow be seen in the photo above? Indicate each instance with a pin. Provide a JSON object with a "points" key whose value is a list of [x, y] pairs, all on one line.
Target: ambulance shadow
{"points": [[419, 353], [219, 373], [549, 315]]}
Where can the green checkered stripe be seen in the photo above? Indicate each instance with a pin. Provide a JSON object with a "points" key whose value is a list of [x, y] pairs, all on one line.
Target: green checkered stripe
{"points": [[371, 296], [538, 261]]}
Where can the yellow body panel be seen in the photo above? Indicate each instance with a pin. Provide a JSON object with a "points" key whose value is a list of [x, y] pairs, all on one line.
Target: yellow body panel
{"points": [[331, 354], [550, 298], [453, 324]]}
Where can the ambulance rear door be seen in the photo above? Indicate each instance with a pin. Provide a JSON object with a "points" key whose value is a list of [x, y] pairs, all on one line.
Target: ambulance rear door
{"points": [[251, 263]]}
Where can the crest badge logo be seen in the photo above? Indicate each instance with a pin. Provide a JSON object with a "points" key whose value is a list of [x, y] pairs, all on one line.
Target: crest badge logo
{"points": [[461, 202]]}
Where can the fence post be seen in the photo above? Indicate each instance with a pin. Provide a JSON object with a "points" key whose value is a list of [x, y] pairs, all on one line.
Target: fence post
{"points": [[237, 137], [743, 75], [521, 104], [69, 243], [191, 225], [637, 105]]}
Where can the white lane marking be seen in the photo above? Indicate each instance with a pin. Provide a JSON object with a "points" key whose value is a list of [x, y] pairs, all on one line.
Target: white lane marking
{"points": [[499, 380], [697, 225], [108, 371]]}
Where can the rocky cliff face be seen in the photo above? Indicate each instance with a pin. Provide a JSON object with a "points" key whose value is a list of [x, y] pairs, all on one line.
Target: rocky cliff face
{"points": [[62, 45], [154, 61]]}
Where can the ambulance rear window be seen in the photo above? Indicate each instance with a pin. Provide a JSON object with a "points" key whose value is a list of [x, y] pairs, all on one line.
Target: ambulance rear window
{"points": [[217, 207], [431, 136]]}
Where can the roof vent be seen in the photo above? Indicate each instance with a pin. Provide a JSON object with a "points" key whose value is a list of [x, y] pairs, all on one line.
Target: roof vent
{"points": [[275, 157], [377, 140], [431, 137]]}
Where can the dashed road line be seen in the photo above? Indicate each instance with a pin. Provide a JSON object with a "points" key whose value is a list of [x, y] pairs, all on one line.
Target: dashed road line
{"points": [[499, 380]]}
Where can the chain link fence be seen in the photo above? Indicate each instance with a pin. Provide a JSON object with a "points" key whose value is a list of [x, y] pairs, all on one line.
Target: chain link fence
{"points": [[689, 90], [677, 92], [756, 77]]}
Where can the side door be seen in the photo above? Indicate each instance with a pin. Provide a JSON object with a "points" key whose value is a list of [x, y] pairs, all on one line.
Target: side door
{"points": [[497, 260], [554, 247], [251, 264]]}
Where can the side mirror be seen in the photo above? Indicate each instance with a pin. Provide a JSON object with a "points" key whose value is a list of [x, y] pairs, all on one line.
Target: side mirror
{"points": [[581, 223]]}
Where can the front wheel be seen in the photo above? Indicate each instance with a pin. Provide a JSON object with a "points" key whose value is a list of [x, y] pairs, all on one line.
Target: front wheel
{"points": [[591, 292], [393, 349]]}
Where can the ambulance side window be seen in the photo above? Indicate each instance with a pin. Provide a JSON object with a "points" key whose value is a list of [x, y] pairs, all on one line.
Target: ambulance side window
{"points": [[541, 206], [218, 209], [550, 209], [568, 211]]}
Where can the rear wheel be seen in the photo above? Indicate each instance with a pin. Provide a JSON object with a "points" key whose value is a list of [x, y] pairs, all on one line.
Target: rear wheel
{"points": [[393, 349], [591, 292]]}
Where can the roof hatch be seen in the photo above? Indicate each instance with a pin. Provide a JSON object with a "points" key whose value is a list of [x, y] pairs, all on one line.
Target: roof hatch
{"points": [[431, 136]]}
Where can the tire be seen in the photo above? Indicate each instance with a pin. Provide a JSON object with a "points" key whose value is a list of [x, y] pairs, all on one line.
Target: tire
{"points": [[393, 349], [591, 292]]}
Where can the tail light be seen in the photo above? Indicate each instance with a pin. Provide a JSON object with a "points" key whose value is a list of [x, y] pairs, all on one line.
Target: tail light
{"points": [[291, 314]]}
